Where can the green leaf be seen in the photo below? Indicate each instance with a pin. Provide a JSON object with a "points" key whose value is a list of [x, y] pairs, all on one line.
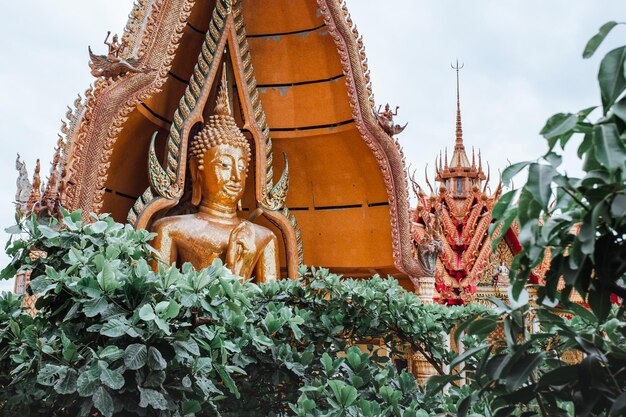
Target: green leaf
{"points": [[114, 328], [540, 182], [98, 227], [228, 381], [15, 328], [136, 356], [503, 204], [597, 39], [512, 170], [162, 324], [146, 313], [609, 147], [520, 371], [482, 328], [336, 386], [466, 355], [156, 360], [464, 406], [88, 382], [619, 406], [327, 363], [619, 109], [106, 278], [618, 206], [172, 310], [69, 349], [13, 230], [94, 307], [111, 353], [153, 398], [167, 309], [103, 402], [67, 383], [48, 232], [558, 125], [611, 77], [8, 272], [50, 374], [600, 303], [191, 407], [354, 358], [112, 379], [560, 376]]}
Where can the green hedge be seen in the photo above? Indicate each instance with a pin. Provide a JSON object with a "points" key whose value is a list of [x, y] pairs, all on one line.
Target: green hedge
{"points": [[112, 337]]}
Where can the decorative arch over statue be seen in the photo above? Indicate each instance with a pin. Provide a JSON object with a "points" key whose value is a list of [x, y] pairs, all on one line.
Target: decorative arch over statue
{"points": [[224, 34], [348, 191]]}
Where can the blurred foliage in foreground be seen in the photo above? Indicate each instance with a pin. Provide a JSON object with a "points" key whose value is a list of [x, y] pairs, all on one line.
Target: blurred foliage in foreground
{"points": [[564, 366]]}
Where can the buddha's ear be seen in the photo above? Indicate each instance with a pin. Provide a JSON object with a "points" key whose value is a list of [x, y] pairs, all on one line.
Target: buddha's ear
{"points": [[196, 189]]}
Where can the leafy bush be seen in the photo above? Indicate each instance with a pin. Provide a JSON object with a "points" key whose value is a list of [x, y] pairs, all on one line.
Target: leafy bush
{"points": [[112, 337], [564, 366]]}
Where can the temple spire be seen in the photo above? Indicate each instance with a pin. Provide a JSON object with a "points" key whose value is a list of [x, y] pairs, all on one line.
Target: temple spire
{"points": [[473, 158], [459, 125]]}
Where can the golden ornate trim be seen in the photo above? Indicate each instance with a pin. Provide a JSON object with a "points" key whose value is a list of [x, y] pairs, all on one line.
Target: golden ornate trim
{"points": [[111, 101], [387, 151]]}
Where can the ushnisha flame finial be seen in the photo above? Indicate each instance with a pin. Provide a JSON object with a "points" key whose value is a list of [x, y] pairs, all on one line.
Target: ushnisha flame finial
{"points": [[222, 106]]}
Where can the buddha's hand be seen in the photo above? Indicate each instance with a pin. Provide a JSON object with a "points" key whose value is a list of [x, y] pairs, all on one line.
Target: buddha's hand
{"points": [[241, 249]]}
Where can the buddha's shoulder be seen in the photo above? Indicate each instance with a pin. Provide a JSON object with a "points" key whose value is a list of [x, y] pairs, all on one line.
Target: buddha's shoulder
{"points": [[262, 231]]}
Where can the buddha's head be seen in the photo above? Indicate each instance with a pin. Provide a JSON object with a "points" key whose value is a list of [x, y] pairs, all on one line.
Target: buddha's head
{"points": [[218, 158]]}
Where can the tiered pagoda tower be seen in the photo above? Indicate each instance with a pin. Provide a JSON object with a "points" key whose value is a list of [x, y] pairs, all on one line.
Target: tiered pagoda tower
{"points": [[458, 213]]}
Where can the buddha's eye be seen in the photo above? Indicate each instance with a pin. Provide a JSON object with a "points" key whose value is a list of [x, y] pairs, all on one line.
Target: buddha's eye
{"points": [[225, 165]]}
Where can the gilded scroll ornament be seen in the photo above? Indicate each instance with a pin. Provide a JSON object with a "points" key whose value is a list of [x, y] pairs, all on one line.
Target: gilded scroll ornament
{"points": [[274, 199], [166, 186]]}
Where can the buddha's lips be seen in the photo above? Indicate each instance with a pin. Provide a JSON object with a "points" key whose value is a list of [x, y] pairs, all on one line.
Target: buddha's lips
{"points": [[233, 188]]}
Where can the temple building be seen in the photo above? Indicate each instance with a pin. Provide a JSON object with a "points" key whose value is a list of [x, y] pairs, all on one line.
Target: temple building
{"points": [[326, 175], [459, 214]]}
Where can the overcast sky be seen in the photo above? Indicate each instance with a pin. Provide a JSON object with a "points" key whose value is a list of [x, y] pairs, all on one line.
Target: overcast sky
{"points": [[522, 64]]}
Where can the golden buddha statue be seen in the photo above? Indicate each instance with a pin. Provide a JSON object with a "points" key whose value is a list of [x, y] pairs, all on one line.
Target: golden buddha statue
{"points": [[219, 157]]}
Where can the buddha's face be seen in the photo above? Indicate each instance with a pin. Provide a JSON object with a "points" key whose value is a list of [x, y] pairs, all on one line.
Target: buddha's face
{"points": [[224, 174]]}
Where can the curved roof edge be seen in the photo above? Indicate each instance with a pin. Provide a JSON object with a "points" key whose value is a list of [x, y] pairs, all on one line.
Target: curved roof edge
{"points": [[386, 150]]}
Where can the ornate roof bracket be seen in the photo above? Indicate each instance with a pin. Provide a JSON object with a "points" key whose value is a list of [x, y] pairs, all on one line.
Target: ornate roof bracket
{"points": [[97, 122], [386, 151]]}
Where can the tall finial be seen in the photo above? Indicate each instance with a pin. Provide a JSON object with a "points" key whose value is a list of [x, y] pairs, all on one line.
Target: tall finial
{"points": [[459, 127], [446, 160], [473, 158], [35, 194], [222, 108]]}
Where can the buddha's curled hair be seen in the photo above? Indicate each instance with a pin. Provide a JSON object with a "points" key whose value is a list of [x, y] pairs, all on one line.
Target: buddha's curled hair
{"points": [[221, 129]]}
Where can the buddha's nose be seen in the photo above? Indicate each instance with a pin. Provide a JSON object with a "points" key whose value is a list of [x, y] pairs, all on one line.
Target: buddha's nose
{"points": [[236, 174]]}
